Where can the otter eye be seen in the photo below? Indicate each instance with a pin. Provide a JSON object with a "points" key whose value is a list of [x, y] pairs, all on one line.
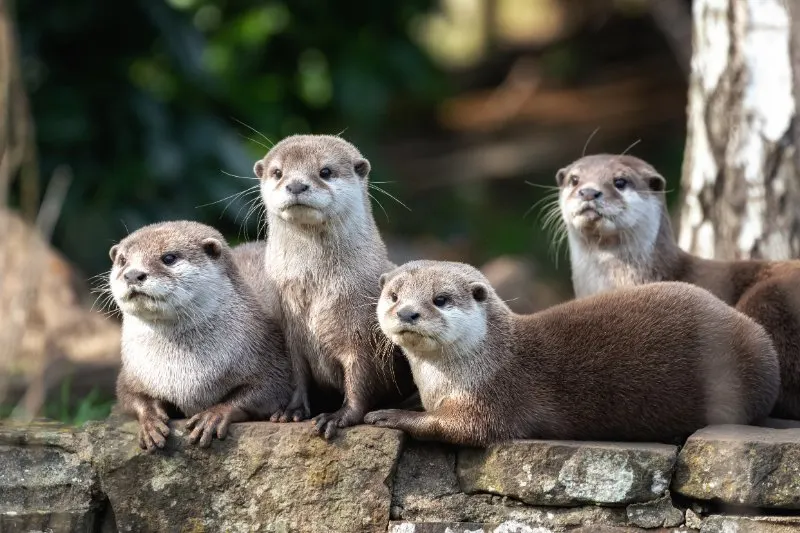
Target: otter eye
{"points": [[573, 180], [620, 183], [440, 300], [277, 173], [325, 173], [121, 260], [393, 296], [169, 259]]}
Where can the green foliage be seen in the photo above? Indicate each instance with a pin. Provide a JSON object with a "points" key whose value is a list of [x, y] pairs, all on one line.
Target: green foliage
{"points": [[66, 409], [142, 98]]}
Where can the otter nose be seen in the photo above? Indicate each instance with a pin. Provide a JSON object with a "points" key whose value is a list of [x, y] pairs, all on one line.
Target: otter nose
{"points": [[296, 187], [134, 277], [409, 316], [588, 193]]}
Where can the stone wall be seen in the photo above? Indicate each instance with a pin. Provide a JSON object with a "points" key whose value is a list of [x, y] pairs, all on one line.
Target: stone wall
{"points": [[280, 478]]}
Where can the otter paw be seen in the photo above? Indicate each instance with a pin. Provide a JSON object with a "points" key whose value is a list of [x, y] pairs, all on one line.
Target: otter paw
{"points": [[327, 424], [291, 414], [153, 432], [386, 418], [203, 425]]}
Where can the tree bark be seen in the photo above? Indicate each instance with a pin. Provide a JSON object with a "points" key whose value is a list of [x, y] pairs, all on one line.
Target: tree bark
{"points": [[741, 186]]}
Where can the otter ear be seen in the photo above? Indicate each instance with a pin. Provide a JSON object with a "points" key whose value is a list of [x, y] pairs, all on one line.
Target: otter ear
{"points": [[560, 176], [259, 168], [382, 280], [479, 291], [362, 167], [112, 253], [656, 182], [212, 247]]}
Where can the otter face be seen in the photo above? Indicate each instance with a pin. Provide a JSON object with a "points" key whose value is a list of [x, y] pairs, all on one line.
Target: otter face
{"points": [[167, 271], [426, 307], [606, 194], [309, 180]]}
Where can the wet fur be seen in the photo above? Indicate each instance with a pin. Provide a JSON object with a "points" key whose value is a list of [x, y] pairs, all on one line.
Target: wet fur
{"points": [[767, 291], [582, 370], [217, 347], [326, 263]]}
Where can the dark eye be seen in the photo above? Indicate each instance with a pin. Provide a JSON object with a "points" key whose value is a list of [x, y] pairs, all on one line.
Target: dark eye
{"points": [[169, 259], [441, 300], [121, 260], [325, 173], [573, 180], [393, 296], [277, 173], [620, 183]]}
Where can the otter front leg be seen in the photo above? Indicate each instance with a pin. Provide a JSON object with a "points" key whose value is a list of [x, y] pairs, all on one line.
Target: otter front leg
{"points": [[443, 426], [150, 412], [358, 398], [299, 407]]}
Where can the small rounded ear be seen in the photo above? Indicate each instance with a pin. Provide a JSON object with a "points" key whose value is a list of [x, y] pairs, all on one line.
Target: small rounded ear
{"points": [[212, 247], [561, 176], [112, 253], [259, 169], [382, 280], [479, 291], [656, 182], [362, 167]]}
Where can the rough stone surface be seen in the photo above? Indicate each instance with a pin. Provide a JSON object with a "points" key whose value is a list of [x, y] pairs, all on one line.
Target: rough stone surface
{"points": [[693, 519], [263, 477], [656, 513], [426, 489], [741, 465], [569, 473], [45, 485], [512, 526], [740, 524]]}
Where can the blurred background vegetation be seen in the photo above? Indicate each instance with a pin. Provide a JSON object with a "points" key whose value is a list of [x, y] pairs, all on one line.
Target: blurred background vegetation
{"points": [[156, 106]]}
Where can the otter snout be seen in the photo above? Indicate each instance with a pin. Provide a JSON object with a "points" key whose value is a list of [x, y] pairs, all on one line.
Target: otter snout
{"points": [[407, 315], [296, 187], [589, 193], [134, 276]]}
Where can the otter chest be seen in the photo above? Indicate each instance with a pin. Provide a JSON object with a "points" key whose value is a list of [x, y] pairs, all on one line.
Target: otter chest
{"points": [[435, 384], [602, 271], [190, 380]]}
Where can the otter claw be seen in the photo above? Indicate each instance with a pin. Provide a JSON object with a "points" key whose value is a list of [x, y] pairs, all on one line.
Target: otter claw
{"points": [[153, 431], [205, 424]]}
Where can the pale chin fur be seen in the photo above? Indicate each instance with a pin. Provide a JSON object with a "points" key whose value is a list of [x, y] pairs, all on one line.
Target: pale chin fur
{"points": [[597, 268], [182, 299], [315, 206], [462, 333], [609, 219]]}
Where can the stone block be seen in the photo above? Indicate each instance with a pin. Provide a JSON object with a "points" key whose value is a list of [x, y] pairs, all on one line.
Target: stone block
{"points": [[741, 465], [426, 490], [741, 524], [564, 473], [45, 485], [263, 477]]}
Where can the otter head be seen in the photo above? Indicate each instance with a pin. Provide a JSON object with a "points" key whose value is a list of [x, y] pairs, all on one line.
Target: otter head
{"points": [[309, 180], [169, 271], [429, 307], [607, 195]]}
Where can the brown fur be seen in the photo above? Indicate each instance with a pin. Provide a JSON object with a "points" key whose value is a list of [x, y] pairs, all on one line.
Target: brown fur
{"points": [[767, 291], [638, 364], [326, 263], [240, 349]]}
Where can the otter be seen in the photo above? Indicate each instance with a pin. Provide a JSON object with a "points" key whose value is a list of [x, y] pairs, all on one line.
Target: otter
{"points": [[620, 234], [195, 339], [648, 363], [325, 255]]}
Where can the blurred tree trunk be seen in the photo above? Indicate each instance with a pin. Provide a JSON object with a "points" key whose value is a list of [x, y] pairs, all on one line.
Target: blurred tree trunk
{"points": [[741, 184]]}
